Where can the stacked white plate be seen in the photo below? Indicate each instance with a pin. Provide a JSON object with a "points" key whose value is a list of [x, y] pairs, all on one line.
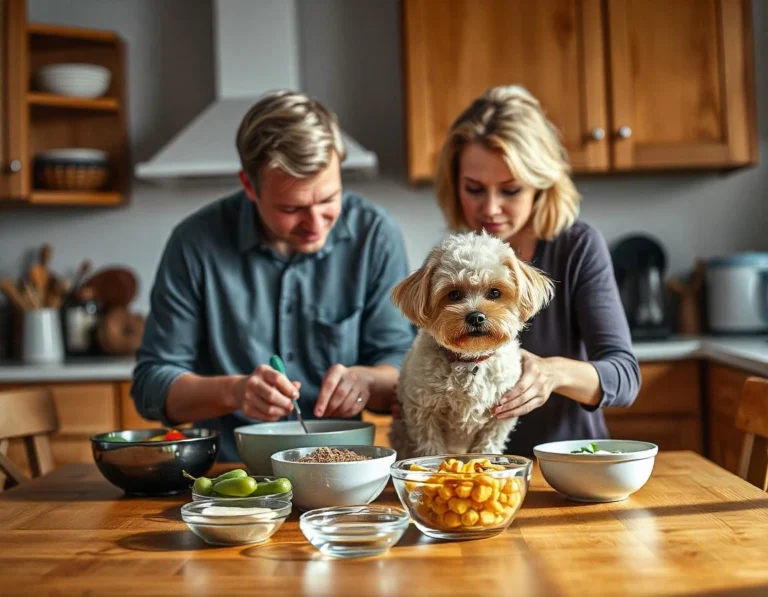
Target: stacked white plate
{"points": [[74, 80]]}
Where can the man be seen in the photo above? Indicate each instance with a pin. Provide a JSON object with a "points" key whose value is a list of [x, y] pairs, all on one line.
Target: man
{"points": [[288, 265]]}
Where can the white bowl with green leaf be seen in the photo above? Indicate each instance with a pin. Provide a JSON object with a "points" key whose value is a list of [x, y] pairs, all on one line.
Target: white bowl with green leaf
{"points": [[603, 470]]}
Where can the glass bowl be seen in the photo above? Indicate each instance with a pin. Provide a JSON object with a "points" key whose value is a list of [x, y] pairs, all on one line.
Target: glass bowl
{"points": [[287, 495], [462, 496], [239, 522], [354, 531]]}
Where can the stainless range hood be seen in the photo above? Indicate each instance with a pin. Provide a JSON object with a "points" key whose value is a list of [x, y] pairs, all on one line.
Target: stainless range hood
{"points": [[256, 45]]}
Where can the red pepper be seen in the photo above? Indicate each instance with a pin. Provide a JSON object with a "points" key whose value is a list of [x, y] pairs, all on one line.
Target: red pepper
{"points": [[173, 435]]}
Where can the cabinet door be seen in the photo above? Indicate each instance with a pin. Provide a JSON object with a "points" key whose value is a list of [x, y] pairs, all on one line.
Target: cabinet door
{"points": [[456, 50], [14, 149], [682, 85]]}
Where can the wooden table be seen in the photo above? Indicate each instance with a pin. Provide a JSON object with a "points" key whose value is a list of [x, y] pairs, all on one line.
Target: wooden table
{"points": [[694, 529]]}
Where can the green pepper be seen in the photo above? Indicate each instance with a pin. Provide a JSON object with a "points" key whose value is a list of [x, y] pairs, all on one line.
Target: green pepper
{"points": [[281, 485], [201, 485], [236, 487], [235, 474]]}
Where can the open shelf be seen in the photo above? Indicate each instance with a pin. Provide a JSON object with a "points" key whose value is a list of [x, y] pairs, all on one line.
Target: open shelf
{"points": [[70, 34], [50, 100], [48, 197]]}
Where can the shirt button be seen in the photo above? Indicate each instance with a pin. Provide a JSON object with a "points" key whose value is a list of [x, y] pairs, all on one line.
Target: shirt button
{"points": [[289, 309]]}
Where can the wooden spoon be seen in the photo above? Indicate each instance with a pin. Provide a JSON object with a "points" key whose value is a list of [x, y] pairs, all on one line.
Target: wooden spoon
{"points": [[13, 295], [29, 291], [39, 275]]}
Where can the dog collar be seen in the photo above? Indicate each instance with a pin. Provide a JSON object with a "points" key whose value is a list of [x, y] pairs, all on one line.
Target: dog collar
{"points": [[454, 357]]}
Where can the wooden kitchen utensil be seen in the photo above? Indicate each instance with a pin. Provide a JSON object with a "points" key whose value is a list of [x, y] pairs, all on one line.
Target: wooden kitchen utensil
{"points": [[30, 293], [113, 287], [58, 289], [17, 299], [689, 300], [39, 275], [85, 268]]}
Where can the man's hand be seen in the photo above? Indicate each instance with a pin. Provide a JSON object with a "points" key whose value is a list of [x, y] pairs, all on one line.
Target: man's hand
{"points": [[265, 394], [344, 393]]}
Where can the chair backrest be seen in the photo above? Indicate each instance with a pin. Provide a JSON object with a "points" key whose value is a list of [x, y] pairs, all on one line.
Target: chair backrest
{"points": [[752, 419], [29, 415]]}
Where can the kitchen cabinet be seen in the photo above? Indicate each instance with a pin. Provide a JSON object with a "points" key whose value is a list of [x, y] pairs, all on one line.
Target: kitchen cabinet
{"points": [[667, 410], [724, 387], [14, 136], [33, 121], [631, 84]]}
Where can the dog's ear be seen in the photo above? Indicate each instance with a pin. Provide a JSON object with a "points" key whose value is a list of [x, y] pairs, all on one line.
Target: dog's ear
{"points": [[534, 289], [412, 295]]}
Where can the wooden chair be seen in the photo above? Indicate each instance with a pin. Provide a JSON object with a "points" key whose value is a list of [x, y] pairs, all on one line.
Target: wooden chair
{"points": [[752, 419], [29, 415]]}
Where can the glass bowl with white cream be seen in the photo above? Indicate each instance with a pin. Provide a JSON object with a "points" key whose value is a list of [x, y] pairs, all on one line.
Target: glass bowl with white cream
{"points": [[236, 522]]}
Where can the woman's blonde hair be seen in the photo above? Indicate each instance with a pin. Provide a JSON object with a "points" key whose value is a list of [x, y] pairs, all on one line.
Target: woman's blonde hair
{"points": [[510, 120], [288, 130]]}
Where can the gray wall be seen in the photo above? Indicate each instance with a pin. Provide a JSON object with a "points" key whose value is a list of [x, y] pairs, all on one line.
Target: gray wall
{"points": [[350, 57]]}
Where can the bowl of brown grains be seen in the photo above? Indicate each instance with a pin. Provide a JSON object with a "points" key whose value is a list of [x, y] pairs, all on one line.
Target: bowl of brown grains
{"points": [[257, 442], [334, 475]]}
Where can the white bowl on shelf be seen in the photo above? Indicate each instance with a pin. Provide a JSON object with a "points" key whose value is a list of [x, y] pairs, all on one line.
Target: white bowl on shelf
{"points": [[600, 477], [74, 79], [74, 155]]}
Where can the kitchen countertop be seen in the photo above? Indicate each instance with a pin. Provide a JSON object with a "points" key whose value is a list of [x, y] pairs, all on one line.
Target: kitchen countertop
{"points": [[693, 529], [748, 353]]}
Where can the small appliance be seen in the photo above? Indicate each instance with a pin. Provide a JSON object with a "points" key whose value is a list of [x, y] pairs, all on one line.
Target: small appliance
{"points": [[737, 293], [639, 263]]}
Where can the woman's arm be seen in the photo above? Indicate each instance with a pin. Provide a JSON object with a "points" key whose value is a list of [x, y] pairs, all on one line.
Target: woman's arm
{"points": [[611, 376]]}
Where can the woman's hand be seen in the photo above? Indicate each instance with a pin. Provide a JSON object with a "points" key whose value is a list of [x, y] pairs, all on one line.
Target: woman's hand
{"points": [[531, 391]]}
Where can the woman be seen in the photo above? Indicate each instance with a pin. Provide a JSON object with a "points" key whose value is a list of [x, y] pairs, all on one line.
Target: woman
{"points": [[504, 170]]}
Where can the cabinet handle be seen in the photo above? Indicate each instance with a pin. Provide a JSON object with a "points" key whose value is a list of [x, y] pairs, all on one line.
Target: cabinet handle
{"points": [[597, 133], [15, 166], [624, 132]]}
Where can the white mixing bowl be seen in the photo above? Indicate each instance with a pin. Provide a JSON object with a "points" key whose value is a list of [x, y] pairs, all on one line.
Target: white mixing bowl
{"points": [[585, 477]]}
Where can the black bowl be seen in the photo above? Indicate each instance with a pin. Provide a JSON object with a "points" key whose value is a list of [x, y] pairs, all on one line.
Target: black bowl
{"points": [[154, 468]]}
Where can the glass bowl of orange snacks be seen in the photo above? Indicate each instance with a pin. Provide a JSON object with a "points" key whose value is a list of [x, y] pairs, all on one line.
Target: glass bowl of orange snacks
{"points": [[459, 497]]}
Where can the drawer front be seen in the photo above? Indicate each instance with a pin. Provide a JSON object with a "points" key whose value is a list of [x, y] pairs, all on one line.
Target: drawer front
{"points": [[86, 409], [667, 432], [667, 388]]}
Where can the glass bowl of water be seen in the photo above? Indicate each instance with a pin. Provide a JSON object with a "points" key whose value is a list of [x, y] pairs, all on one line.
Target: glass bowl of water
{"points": [[354, 531]]}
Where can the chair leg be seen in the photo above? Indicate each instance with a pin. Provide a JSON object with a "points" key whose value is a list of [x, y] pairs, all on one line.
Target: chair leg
{"points": [[3, 451], [758, 464], [13, 471], [39, 454]]}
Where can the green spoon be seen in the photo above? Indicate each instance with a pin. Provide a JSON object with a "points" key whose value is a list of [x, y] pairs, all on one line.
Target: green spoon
{"points": [[277, 364]]}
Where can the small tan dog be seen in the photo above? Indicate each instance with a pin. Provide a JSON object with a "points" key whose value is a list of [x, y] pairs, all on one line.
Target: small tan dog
{"points": [[470, 300]]}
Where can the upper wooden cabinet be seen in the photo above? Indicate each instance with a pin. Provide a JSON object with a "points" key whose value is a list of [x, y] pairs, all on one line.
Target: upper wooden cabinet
{"points": [[14, 135], [32, 121], [631, 84]]}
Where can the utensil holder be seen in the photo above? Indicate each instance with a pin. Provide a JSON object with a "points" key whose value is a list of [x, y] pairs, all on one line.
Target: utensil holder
{"points": [[41, 337]]}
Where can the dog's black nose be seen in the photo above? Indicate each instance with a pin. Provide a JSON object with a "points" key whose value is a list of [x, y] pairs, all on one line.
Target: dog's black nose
{"points": [[476, 318]]}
